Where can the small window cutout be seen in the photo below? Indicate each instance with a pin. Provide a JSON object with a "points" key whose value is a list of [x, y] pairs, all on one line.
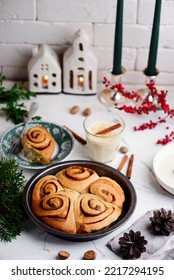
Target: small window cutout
{"points": [[80, 81], [81, 59], [54, 84], [54, 75], [80, 69], [35, 84], [81, 47], [35, 75], [90, 79], [71, 78], [45, 81]]}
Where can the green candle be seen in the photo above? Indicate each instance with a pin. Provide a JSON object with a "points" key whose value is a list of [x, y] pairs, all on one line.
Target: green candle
{"points": [[117, 69], [151, 67]]}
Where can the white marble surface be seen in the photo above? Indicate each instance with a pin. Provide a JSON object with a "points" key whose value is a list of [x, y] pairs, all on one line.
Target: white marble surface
{"points": [[34, 243]]}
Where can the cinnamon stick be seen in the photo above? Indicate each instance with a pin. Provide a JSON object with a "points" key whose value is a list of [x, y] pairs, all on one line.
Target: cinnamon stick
{"points": [[76, 136], [108, 129], [122, 163], [130, 166]]}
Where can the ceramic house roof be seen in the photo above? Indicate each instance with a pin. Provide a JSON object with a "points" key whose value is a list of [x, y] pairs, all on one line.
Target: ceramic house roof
{"points": [[45, 53], [80, 37]]}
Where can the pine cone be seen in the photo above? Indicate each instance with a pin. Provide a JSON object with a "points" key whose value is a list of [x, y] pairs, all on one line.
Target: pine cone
{"points": [[132, 245], [163, 221]]}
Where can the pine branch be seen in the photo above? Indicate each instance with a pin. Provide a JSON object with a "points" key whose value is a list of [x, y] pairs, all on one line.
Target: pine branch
{"points": [[12, 215]]}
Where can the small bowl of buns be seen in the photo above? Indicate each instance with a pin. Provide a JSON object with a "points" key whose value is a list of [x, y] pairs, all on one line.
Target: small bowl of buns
{"points": [[79, 200]]}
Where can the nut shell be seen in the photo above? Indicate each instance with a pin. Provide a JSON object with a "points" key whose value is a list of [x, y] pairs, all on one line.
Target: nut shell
{"points": [[89, 255], [74, 110], [123, 149], [87, 112], [63, 255]]}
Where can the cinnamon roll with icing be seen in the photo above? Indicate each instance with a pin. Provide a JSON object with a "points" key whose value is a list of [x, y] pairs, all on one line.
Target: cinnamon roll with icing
{"points": [[76, 177], [38, 145]]}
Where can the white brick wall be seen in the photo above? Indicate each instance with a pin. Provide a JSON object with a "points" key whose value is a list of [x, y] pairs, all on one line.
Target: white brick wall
{"points": [[25, 23]]}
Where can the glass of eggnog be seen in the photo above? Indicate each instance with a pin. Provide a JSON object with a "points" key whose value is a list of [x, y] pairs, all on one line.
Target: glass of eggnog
{"points": [[103, 134]]}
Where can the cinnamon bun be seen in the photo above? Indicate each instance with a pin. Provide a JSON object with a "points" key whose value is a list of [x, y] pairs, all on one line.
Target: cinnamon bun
{"points": [[76, 177], [57, 210], [93, 213], [38, 145], [108, 189], [47, 185]]}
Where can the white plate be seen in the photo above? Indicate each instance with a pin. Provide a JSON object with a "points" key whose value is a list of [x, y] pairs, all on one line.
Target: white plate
{"points": [[163, 167], [64, 144]]}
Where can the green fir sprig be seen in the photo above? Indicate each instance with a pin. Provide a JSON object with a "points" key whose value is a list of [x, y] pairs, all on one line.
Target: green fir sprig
{"points": [[12, 215]]}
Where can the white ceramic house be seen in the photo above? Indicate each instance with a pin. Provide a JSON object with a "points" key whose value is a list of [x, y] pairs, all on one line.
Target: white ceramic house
{"points": [[44, 72], [80, 67]]}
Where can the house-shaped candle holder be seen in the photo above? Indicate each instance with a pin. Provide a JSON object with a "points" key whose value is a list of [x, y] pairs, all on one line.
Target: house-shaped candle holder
{"points": [[44, 72], [80, 67]]}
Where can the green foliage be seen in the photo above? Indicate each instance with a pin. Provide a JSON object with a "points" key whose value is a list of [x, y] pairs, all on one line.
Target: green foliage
{"points": [[14, 110], [36, 118], [12, 215]]}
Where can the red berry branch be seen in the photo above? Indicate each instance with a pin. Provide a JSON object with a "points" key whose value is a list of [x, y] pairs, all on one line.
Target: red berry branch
{"points": [[154, 101]]}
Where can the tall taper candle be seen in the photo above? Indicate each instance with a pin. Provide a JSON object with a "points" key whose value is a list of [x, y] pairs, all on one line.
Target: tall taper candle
{"points": [[117, 69], [151, 67]]}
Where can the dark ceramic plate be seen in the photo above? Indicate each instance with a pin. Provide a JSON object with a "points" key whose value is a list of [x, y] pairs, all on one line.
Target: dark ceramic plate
{"points": [[63, 139], [102, 170]]}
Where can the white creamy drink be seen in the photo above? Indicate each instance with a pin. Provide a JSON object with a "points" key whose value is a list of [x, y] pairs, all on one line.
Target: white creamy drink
{"points": [[102, 147]]}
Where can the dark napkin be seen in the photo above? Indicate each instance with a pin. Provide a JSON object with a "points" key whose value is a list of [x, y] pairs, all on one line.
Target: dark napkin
{"points": [[159, 247]]}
